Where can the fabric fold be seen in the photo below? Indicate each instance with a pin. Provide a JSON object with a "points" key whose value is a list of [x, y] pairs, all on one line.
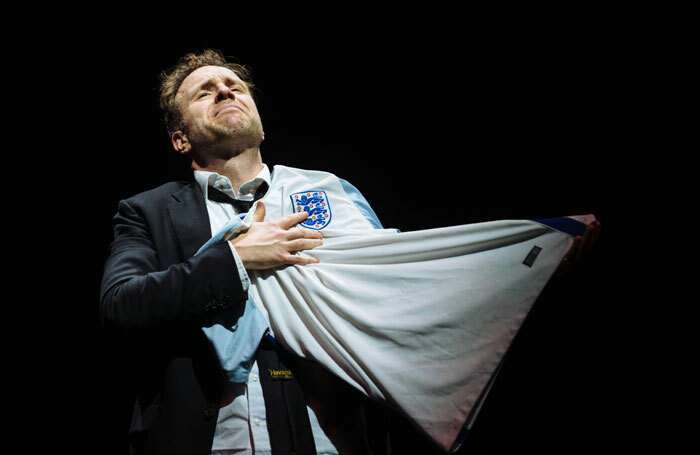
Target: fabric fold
{"points": [[419, 320]]}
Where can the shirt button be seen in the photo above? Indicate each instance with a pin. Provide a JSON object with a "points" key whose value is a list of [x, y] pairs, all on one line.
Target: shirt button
{"points": [[254, 378], [257, 422]]}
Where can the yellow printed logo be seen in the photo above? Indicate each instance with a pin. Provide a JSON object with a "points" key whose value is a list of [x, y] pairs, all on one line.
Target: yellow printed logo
{"points": [[278, 375]]}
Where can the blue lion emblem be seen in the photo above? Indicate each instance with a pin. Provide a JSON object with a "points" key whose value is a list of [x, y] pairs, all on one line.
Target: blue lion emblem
{"points": [[306, 200], [315, 202]]}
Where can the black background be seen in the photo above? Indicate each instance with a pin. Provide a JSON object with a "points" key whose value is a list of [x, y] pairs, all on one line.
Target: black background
{"points": [[440, 113]]}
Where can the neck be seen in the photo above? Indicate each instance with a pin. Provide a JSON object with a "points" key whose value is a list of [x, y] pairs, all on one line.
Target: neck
{"points": [[239, 169]]}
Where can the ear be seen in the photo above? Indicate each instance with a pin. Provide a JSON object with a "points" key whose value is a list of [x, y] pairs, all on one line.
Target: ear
{"points": [[181, 143]]}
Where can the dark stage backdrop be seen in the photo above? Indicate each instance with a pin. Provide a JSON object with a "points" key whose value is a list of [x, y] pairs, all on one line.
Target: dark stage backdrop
{"points": [[439, 114]]}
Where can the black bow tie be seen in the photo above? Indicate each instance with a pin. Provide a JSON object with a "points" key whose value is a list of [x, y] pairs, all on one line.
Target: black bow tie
{"points": [[240, 206]]}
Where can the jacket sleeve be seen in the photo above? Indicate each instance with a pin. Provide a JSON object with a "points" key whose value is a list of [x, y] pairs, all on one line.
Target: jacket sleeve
{"points": [[136, 294]]}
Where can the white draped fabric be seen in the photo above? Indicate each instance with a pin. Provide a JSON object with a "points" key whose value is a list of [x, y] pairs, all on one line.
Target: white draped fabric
{"points": [[420, 319]]}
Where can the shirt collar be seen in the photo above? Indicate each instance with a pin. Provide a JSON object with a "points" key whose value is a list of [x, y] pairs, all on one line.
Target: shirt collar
{"points": [[246, 192]]}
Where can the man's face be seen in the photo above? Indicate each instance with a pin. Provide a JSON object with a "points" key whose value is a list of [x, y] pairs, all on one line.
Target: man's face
{"points": [[218, 109]]}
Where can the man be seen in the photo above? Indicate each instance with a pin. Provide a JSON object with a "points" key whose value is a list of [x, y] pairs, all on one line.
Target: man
{"points": [[161, 294], [159, 291]]}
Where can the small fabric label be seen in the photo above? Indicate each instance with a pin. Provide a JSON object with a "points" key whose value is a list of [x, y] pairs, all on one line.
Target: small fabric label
{"points": [[279, 375], [532, 255]]}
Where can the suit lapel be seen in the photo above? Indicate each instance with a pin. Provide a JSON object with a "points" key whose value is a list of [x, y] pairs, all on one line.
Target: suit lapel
{"points": [[190, 219]]}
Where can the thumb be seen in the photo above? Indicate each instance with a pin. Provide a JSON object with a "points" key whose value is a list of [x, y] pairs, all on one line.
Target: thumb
{"points": [[259, 215]]}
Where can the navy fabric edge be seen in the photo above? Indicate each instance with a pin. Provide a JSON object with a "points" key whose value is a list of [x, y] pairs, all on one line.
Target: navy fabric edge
{"points": [[567, 225]]}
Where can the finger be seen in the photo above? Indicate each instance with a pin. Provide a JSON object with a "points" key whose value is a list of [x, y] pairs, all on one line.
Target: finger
{"points": [[570, 256], [300, 260], [295, 233], [587, 242], [303, 244], [300, 232], [595, 233], [259, 215], [291, 220]]}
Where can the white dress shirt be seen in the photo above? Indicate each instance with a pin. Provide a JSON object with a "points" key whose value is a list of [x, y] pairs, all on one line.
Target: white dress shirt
{"points": [[241, 427]]}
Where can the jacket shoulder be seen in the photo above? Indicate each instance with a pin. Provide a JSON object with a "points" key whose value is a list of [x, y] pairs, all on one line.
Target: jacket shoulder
{"points": [[162, 193]]}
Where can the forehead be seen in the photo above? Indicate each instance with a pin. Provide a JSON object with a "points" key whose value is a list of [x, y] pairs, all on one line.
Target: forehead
{"points": [[204, 74]]}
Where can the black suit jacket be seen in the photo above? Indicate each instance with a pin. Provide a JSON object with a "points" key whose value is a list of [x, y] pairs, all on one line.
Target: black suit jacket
{"points": [[160, 295], [157, 292]]}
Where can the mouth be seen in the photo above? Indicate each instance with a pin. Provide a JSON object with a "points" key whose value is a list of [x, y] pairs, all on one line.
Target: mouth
{"points": [[228, 107]]}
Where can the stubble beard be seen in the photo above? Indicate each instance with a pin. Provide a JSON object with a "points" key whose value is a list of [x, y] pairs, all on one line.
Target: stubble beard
{"points": [[227, 140]]}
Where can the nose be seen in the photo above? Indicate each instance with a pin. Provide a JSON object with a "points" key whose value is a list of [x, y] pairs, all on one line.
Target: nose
{"points": [[223, 92]]}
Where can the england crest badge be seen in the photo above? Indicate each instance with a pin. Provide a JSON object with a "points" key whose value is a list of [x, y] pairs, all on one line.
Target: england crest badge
{"points": [[316, 203]]}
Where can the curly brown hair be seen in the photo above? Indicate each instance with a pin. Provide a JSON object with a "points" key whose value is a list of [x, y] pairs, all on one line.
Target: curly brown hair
{"points": [[171, 80]]}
